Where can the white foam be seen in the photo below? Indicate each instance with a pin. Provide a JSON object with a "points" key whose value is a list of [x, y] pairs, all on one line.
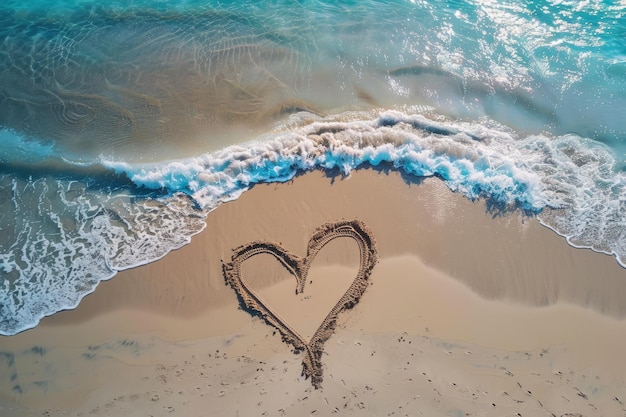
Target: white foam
{"points": [[69, 236], [481, 160]]}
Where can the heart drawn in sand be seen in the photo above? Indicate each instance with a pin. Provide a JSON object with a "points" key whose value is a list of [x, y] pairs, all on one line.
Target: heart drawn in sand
{"points": [[299, 268]]}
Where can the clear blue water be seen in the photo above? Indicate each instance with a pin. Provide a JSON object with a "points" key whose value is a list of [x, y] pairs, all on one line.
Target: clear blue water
{"points": [[123, 124]]}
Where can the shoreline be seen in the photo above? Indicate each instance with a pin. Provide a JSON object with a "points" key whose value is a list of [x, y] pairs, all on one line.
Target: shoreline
{"points": [[451, 279]]}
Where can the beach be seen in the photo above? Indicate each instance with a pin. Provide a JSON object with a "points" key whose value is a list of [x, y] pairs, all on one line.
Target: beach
{"points": [[374, 208], [468, 311]]}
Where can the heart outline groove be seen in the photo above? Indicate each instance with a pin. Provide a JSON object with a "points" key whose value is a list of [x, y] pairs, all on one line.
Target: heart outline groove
{"points": [[299, 268]]}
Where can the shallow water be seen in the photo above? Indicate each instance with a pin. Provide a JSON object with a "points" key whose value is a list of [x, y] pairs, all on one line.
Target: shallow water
{"points": [[123, 125]]}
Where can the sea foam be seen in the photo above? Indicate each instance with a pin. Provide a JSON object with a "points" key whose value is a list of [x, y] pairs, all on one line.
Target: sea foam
{"points": [[69, 234], [576, 178], [87, 88]]}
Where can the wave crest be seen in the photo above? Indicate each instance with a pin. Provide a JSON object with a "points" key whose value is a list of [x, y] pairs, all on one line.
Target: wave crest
{"points": [[93, 230], [576, 179]]}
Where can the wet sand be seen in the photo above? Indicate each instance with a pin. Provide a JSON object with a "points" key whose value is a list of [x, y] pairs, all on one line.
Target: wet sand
{"points": [[468, 312]]}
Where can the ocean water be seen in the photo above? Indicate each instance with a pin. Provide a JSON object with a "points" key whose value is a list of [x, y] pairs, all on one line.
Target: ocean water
{"points": [[123, 124]]}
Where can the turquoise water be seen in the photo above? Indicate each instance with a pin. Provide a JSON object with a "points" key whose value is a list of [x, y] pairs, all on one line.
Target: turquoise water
{"points": [[123, 124]]}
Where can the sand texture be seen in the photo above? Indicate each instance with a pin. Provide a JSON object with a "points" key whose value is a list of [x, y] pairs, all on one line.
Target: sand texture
{"points": [[468, 312], [299, 268]]}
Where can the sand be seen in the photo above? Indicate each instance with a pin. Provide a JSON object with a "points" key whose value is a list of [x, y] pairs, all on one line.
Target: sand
{"points": [[468, 312]]}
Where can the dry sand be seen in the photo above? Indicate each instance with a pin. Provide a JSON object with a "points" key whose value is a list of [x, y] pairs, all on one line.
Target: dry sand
{"points": [[468, 313]]}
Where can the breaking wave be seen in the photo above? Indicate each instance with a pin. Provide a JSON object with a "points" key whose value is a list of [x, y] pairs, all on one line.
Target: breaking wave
{"points": [[72, 232], [118, 121]]}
